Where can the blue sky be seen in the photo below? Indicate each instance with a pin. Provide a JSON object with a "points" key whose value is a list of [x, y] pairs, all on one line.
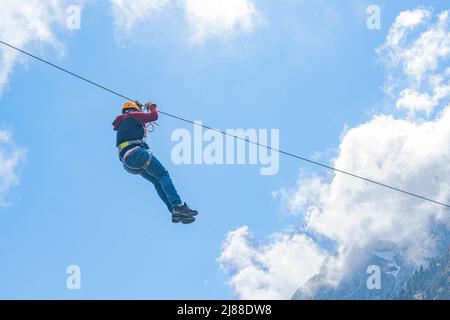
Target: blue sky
{"points": [[309, 70]]}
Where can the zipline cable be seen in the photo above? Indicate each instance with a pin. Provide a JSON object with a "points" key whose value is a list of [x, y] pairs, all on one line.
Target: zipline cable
{"points": [[232, 135]]}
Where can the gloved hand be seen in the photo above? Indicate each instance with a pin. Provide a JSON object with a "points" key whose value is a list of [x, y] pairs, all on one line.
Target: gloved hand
{"points": [[149, 105]]}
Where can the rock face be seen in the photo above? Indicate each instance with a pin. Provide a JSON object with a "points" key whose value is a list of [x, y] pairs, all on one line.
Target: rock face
{"points": [[361, 282], [431, 283], [397, 279]]}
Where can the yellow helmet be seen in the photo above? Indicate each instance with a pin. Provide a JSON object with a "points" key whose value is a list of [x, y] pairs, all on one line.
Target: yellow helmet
{"points": [[128, 106]]}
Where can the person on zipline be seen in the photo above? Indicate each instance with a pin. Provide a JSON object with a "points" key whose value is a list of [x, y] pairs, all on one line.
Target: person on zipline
{"points": [[131, 136]]}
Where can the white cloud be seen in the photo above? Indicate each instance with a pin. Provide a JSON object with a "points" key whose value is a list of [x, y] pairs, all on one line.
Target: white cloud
{"points": [[128, 13], [409, 153], [206, 19], [404, 23], [269, 271], [398, 152], [11, 158], [221, 19], [419, 59], [24, 23], [432, 45], [416, 101], [354, 214]]}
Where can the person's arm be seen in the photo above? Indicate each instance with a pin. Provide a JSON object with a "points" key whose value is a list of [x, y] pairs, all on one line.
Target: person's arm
{"points": [[144, 117]]}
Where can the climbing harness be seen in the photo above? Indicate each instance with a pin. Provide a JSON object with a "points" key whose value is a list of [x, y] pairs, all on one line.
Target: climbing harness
{"points": [[126, 144]]}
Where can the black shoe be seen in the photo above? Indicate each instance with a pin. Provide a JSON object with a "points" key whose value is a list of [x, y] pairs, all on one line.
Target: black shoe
{"points": [[183, 210], [183, 220]]}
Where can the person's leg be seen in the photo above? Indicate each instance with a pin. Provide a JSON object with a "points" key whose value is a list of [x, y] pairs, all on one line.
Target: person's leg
{"points": [[157, 170], [158, 188], [156, 173]]}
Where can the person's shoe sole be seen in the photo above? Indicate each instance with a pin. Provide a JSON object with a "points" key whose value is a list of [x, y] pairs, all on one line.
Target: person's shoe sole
{"points": [[191, 214], [184, 220]]}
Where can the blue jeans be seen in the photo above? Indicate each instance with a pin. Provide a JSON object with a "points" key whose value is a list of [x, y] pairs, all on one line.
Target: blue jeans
{"points": [[155, 173]]}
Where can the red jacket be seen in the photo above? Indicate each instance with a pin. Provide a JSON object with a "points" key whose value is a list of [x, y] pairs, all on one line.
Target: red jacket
{"points": [[140, 117], [131, 126]]}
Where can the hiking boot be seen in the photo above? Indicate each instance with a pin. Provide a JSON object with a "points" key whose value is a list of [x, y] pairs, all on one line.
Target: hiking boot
{"points": [[183, 210]]}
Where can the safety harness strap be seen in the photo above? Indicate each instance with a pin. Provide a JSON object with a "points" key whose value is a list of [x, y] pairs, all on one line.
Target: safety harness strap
{"points": [[127, 144]]}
